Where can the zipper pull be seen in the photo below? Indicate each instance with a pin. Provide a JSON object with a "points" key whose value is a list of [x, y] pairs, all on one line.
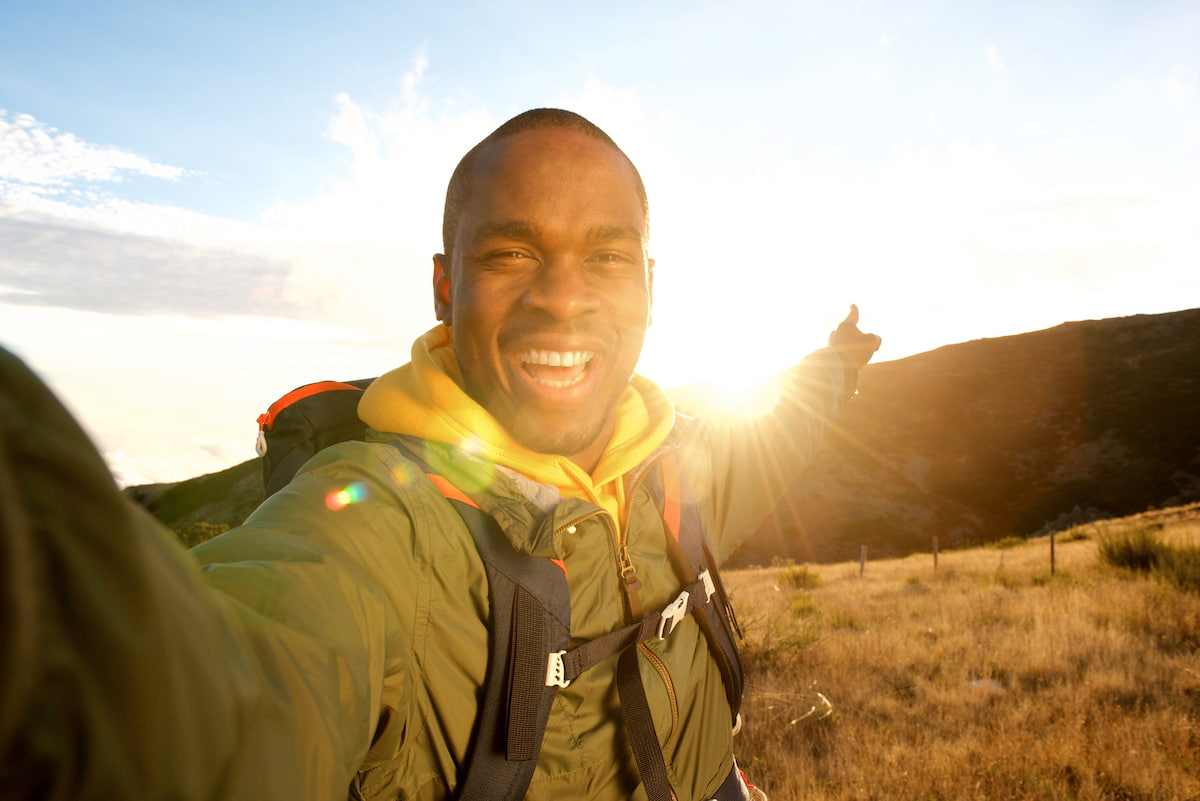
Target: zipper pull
{"points": [[631, 583]]}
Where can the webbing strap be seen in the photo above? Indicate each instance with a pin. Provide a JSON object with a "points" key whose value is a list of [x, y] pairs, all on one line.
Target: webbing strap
{"points": [[526, 659], [640, 724], [486, 773], [656, 626], [689, 552], [530, 615]]}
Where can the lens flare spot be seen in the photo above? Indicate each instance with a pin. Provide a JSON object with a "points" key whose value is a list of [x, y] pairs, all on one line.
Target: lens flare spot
{"points": [[472, 445], [403, 474], [352, 493]]}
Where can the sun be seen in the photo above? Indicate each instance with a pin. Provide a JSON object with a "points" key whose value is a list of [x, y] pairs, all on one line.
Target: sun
{"points": [[742, 394]]}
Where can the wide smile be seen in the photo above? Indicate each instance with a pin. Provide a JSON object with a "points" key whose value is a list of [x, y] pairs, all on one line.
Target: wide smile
{"points": [[555, 369]]}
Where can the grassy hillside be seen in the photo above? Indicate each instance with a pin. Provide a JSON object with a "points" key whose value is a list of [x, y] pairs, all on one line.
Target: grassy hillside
{"points": [[986, 677], [206, 504]]}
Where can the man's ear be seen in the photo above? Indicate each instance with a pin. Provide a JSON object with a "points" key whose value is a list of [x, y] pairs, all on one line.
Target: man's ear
{"points": [[442, 305]]}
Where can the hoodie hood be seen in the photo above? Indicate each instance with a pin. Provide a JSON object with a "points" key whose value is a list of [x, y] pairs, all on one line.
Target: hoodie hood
{"points": [[424, 398]]}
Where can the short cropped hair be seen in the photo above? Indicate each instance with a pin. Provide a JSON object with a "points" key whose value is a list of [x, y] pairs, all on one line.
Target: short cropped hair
{"points": [[462, 182]]}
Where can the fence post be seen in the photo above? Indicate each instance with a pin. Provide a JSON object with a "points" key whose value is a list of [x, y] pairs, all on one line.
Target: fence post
{"points": [[1052, 553], [935, 553], [862, 560]]}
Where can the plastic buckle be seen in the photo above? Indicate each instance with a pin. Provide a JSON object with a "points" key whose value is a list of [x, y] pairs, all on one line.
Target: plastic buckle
{"points": [[710, 589], [556, 671], [672, 615]]}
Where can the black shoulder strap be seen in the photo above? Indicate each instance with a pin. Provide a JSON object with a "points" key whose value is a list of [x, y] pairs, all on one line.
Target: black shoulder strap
{"points": [[694, 562], [530, 618], [690, 553]]}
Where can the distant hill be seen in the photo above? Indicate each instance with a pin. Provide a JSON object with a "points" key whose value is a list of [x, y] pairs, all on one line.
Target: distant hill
{"points": [[1010, 436], [969, 443], [225, 498]]}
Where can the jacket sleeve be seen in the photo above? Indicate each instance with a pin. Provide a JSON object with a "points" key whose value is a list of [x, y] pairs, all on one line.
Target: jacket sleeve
{"points": [[743, 463], [125, 672]]}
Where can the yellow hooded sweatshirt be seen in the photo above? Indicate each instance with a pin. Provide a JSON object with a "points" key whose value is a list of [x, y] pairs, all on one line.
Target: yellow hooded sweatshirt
{"points": [[424, 398]]}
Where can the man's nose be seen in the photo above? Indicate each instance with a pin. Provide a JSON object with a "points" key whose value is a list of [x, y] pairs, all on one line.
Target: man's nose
{"points": [[562, 288]]}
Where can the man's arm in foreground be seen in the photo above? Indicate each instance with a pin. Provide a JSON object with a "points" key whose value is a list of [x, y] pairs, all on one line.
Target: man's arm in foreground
{"points": [[122, 673]]}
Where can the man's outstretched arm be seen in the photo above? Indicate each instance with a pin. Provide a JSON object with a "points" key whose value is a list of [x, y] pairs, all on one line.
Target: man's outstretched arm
{"points": [[122, 673], [752, 459]]}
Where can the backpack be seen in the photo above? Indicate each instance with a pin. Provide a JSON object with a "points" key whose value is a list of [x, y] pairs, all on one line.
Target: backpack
{"points": [[303, 422], [529, 655]]}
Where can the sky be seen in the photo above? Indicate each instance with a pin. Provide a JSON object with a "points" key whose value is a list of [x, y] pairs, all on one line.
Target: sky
{"points": [[203, 206]]}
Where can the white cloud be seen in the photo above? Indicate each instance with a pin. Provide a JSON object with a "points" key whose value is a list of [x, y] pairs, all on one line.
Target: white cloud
{"points": [[52, 261], [37, 154], [69, 240], [412, 78], [361, 248], [1181, 87], [993, 56], [51, 176]]}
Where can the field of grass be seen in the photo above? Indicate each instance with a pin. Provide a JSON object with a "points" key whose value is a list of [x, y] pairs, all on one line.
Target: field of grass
{"points": [[985, 678]]}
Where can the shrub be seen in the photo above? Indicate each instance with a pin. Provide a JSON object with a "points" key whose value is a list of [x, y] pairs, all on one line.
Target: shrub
{"points": [[802, 577], [1006, 543], [1077, 533], [1136, 547], [803, 606], [1180, 565], [196, 533]]}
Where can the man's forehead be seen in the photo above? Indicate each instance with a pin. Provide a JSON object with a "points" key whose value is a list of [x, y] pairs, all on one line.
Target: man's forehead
{"points": [[544, 162], [548, 145]]}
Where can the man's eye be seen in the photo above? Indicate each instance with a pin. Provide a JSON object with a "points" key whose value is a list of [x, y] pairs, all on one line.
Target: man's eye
{"points": [[609, 258], [506, 258], [614, 262]]}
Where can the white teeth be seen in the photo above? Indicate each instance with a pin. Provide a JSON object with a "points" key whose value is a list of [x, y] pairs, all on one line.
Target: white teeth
{"points": [[553, 358]]}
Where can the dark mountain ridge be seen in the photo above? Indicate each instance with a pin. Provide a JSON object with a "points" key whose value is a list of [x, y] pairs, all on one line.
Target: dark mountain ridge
{"points": [[967, 443], [998, 437]]}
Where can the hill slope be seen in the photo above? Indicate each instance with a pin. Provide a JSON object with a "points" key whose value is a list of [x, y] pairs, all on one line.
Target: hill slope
{"points": [[223, 498], [1005, 436]]}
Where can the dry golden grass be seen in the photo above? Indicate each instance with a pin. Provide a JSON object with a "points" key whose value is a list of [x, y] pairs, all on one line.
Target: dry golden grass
{"points": [[988, 678]]}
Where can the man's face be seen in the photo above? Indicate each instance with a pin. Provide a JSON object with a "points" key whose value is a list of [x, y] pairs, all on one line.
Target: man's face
{"points": [[547, 289]]}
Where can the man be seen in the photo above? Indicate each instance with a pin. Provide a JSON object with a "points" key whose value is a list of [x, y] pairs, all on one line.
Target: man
{"points": [[340, 648]]}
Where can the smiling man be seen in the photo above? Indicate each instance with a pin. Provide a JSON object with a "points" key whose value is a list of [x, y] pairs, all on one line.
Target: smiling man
{"points": [[326, 650], [545, 282]]}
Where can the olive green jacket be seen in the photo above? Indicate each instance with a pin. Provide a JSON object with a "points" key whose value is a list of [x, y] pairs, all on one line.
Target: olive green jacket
{"points": [[338, 639]]}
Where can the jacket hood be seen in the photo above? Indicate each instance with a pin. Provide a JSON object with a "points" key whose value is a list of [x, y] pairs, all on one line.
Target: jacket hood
{"points": [[424, 399]]}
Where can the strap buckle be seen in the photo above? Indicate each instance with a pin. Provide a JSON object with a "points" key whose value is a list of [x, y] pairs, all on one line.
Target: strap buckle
{"points": [[556, 670], [672, 615]]}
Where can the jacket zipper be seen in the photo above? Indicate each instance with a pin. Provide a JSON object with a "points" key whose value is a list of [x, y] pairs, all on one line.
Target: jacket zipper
{"points": [[666, 677], [629, 578], [632, 585]]}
